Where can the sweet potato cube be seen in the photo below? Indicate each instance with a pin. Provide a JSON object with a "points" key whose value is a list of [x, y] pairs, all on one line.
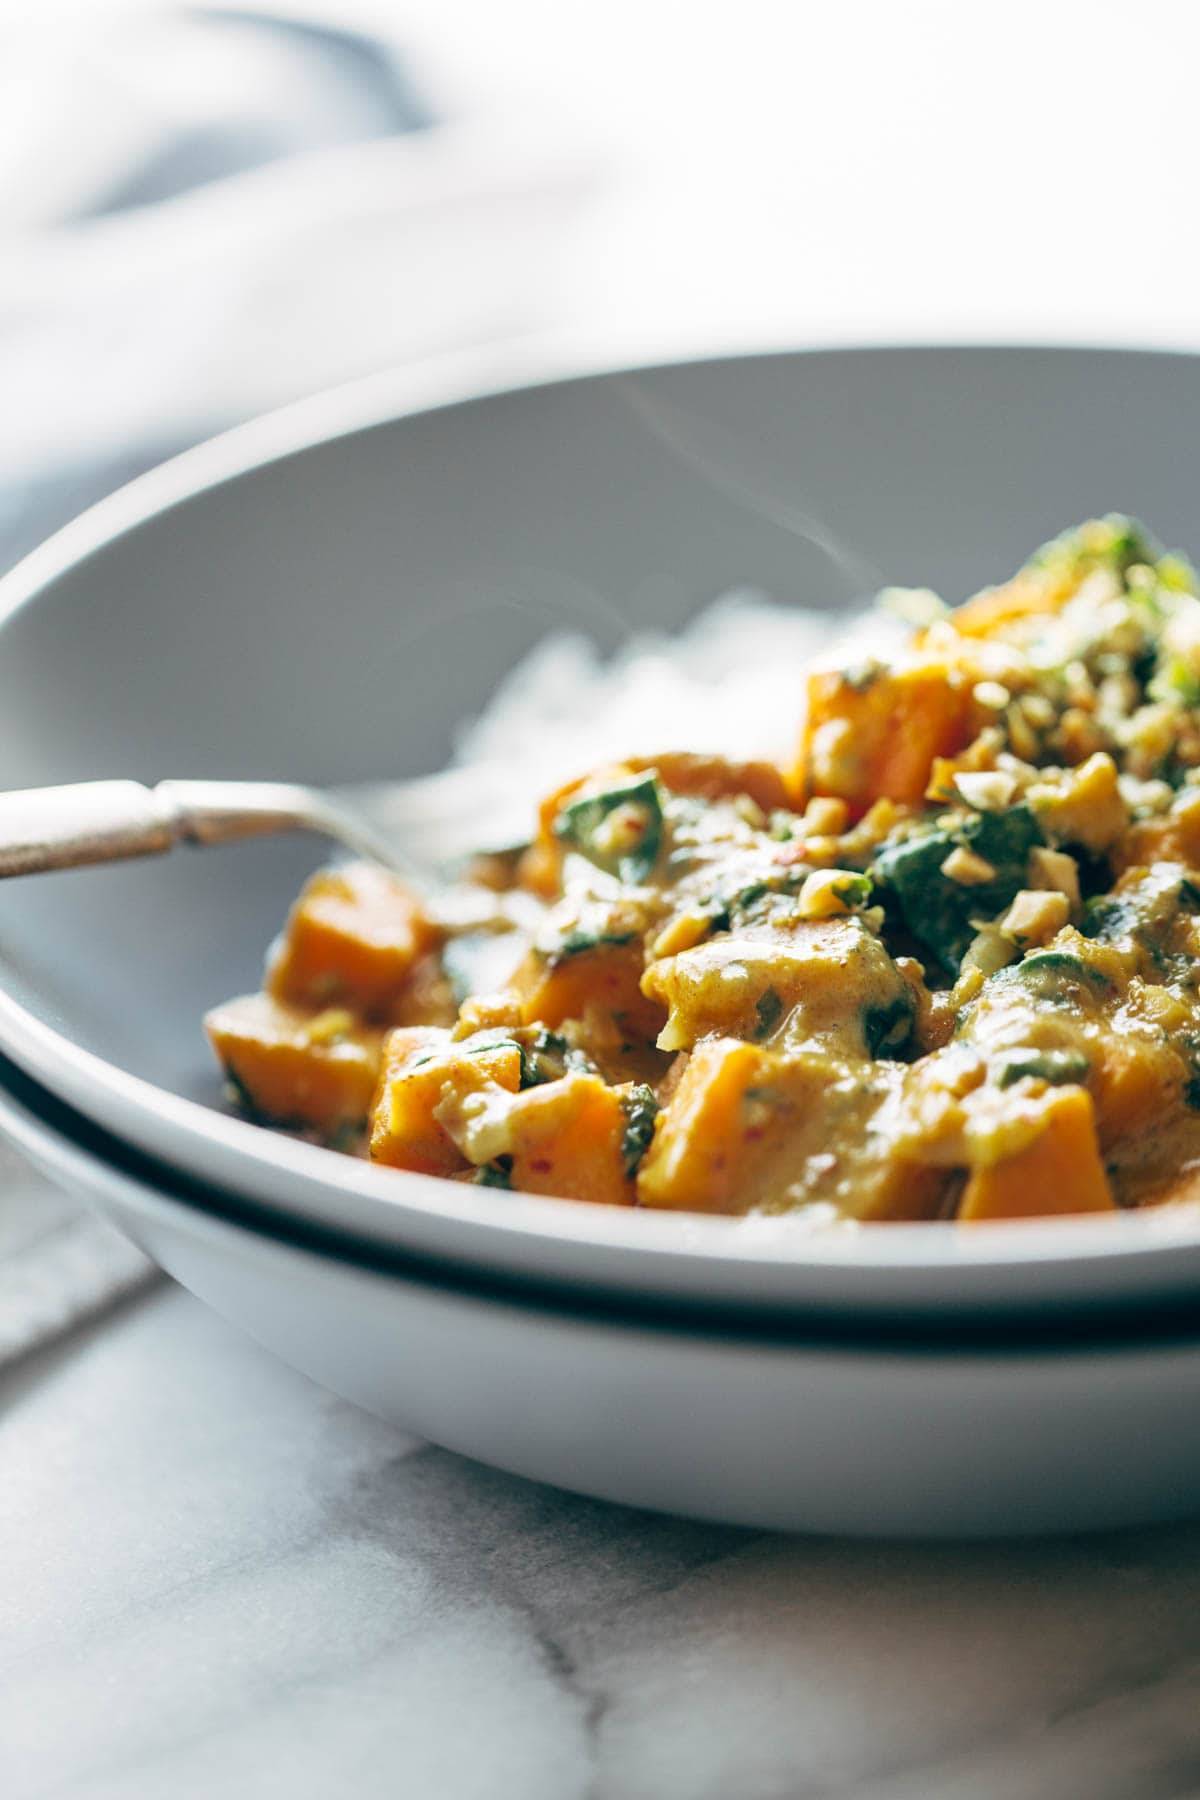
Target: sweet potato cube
{"points": [[708, 777], [424, 1074], [1028, 595], [352, 939], [1059, 1172], [312, 1071], [609, 977], [566, 1138], [750, 1130], [1133, 1085], [876, 737], [707, 1133]]}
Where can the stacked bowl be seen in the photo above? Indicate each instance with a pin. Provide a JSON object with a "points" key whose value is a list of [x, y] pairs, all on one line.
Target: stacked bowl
{"points": [[326, 596]]}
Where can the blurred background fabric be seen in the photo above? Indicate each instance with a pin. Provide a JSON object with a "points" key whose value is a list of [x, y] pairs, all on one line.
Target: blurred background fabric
{"points": [[207, 211]]}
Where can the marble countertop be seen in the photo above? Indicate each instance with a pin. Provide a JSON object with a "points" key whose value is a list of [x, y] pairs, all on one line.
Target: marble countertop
{"points": [[221, 1580]]}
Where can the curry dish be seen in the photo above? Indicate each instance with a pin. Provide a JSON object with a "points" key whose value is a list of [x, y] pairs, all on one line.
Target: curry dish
{"points": [[943, 965]]}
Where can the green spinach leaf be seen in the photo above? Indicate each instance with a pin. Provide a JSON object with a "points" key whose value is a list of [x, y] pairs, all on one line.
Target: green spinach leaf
{"points": [[938, 910], [626, 846]]}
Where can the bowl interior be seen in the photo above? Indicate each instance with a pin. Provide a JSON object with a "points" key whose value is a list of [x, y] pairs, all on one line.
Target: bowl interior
{"points": [[334, 611]]}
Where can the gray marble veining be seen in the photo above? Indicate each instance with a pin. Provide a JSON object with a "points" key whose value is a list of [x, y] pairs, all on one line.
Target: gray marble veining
{"points": [[222, 1581]]}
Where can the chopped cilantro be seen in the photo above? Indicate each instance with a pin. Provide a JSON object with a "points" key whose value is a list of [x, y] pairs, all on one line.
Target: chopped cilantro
{"points": [[1113, 541], [1176, 679], [1129, 543], [579, 940], [499, 1042], [244, 1098], [1048, 971], [769, 1010], [641, 1111], [887, 1029], [855, 890], [497, 1174], [741, 900], [746, 896], [1108, 918], [1058, 1067], [348, 1135], [548, 1057]]}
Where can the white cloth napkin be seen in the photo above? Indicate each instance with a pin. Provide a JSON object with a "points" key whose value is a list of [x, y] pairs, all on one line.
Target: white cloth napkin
{"points": [[59, 1265], [206, 212]]}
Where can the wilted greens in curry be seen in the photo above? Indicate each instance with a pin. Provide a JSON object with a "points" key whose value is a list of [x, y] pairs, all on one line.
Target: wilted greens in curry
{"points": [[944, 965]]}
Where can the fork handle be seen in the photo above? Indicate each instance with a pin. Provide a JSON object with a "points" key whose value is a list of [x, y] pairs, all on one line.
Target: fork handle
{"points": [[109, 821], [87, 822]]}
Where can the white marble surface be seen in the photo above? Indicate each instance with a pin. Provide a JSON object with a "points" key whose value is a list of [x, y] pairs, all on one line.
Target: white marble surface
{"points": [[221, 1581]]}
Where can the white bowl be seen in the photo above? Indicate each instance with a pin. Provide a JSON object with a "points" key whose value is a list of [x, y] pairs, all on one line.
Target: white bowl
{"points": [[324, 595], [887, 1436]]}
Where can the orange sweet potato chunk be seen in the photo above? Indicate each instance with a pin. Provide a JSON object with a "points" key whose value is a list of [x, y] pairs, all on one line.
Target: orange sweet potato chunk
{"points": [[566, 1138], [311, 1071], [1175, 838], [608, 978], [707, 777], [877, 738], [352, 939], [747, 1130], [1133, 1084], [987, 614], [1031, 592], [423, 1069], [706, 1134], [1060, 1172]]}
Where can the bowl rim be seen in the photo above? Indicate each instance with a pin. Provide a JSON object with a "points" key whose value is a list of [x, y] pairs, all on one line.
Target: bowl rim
{"points": [[395, 1206], [41, 1126]]}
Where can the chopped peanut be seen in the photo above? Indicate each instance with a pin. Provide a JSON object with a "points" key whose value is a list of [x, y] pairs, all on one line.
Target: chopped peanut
{"points": [[1085, 807], [1035, 916], [987, 790], [1055, 870], [967, 868]]}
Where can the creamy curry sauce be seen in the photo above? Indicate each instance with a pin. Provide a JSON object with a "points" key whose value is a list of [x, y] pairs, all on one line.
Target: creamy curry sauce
{"points": [[944, 964]]}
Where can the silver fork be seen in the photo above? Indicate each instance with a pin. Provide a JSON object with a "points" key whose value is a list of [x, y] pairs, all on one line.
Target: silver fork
{"points": [[413, 827]]}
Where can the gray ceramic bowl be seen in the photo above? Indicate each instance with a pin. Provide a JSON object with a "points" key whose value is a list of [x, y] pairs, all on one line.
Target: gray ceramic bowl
{"points": [[325, 595]]}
